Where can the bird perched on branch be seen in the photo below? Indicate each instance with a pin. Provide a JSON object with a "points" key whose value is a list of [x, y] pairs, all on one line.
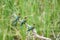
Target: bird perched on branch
{"points": [[23, 21], [14, 22], [30, 27]]}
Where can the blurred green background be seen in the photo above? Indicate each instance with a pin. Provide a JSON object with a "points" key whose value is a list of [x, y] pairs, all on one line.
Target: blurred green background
{"points": [[44, 13]]}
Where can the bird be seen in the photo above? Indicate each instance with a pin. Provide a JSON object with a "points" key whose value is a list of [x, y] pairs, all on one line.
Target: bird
{"points": [[30, 27], [14, 23], [23, 21]]}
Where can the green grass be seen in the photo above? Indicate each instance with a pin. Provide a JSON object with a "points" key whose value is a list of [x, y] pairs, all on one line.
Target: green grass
{"points": [[44, 13]]}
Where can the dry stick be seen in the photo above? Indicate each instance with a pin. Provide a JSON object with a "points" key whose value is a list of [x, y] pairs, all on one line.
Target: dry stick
{"points": [[38, 36], [41, 37]]}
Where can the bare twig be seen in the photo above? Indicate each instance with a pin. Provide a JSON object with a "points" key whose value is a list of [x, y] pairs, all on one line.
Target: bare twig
{"points": [[38, 36]]}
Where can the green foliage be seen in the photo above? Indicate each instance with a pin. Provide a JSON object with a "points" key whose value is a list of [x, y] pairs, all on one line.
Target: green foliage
{"points": [[44, 13]]}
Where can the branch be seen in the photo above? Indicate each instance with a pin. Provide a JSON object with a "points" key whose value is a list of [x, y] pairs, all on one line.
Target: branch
{"points": [[38, 36]]}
